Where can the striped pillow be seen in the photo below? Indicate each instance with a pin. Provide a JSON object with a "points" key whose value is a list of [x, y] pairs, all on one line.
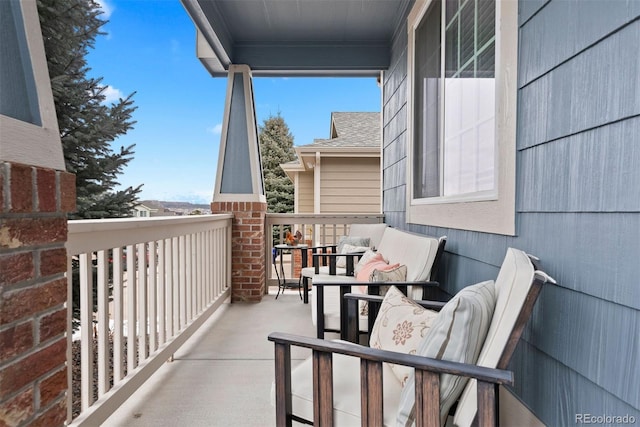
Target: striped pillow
{"points": [[457, 335]]}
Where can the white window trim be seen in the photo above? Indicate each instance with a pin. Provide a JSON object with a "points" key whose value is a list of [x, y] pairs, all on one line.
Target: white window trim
{"points": [[23, 142], [475, 212]]}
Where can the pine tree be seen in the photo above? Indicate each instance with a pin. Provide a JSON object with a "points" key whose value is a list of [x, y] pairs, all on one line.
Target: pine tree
{"points": [[276, 147], [87, 125]]}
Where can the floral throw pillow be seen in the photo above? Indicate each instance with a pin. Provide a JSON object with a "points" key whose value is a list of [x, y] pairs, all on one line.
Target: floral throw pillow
{"points": [[400, 326]]}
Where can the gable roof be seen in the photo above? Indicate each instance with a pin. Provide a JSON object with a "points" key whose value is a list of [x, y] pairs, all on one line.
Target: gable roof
{"points": [[351, 130]]}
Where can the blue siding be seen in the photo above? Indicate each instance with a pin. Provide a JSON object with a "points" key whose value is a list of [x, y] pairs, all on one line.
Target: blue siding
{"points": [[577, 204]]}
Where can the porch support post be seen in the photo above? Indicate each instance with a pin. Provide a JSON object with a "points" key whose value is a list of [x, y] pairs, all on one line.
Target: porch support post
{"points": [[239, 187]]}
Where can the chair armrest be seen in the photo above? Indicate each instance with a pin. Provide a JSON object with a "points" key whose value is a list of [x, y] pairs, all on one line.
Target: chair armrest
{"points": [[323, 253], [332, 257], [348, 330], [350, 311], [427, 380], [496, 376], [431, 305]]}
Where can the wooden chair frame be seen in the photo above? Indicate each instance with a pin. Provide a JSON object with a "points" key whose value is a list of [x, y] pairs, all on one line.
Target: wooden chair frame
{"points": [[427, 371]]}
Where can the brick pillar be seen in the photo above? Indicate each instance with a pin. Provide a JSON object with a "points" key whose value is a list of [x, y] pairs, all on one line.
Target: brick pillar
{"points": [[248, 262], [33, 291]]}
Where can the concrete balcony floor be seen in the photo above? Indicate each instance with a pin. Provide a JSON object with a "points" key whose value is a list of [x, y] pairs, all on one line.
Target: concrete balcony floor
{"points": [[222, 375]]}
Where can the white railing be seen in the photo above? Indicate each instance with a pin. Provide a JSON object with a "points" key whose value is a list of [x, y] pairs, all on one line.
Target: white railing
{"points": [[153, 282], [317, 229]]}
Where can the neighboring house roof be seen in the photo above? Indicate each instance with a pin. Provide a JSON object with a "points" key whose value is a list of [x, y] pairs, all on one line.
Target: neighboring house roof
{"points": [[151, 205], [351, 135], [351, 130]]}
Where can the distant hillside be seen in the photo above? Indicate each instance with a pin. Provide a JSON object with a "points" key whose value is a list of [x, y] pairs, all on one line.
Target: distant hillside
{"points": [[184, 205], [176, 205]]}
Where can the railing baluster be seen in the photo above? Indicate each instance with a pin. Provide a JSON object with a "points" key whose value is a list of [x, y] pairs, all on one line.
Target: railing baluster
{"points": [[142, 302], [86, 315], [131, 309], [189, 260], [199, 270], [153, 296], [103, 323], [118, 316], [170, 265], [161, 293], [175, 285], [211, 267], [183, 281]]}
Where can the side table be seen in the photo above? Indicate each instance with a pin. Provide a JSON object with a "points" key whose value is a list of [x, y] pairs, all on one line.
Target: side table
{"points": [[283, 282]]}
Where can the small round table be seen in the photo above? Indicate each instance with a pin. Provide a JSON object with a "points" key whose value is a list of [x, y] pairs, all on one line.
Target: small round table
{"points": [[291, 283]]}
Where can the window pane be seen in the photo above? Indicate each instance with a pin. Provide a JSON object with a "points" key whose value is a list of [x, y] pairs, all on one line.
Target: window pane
{"points": [[485, 66], [452, 46], [486, 22], [469, 98], [426, 97], [467, 31]]}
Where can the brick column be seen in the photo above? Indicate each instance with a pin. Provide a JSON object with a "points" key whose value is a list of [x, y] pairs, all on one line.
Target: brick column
{"points": [[33, 291], [248, 262]]}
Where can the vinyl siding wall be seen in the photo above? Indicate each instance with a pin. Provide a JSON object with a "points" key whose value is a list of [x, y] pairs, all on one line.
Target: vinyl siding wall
{"points": [[350, 185], [304, 193], [577, 204]]}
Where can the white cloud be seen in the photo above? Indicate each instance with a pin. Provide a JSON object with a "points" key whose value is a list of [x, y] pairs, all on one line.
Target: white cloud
{"points": [[216, 130], [107, 9], [111, 94]]}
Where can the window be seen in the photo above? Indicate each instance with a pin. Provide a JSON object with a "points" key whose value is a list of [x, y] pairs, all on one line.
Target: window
{"points": [[462, 171]]}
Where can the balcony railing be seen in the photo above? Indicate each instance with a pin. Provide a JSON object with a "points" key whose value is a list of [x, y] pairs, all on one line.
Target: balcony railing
{"points": [[141, 287], [154, 282], [317, 229]]}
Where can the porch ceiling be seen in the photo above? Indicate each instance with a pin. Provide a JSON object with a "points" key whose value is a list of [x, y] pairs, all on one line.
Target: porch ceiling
{"points": [[297, 37]]}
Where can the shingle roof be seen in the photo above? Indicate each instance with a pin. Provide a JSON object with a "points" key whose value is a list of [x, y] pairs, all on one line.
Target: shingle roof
{"points": [[353, 130]]}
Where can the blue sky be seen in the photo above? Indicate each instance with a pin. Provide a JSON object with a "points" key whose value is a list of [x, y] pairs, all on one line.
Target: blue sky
{"points": [[149, 49]]}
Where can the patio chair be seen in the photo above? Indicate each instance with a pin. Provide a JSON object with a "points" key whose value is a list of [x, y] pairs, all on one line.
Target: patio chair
{"points": [[324, 259], [344, 383], [419, 253]]}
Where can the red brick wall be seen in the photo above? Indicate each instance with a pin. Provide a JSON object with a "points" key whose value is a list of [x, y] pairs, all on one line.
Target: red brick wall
{"points": [[33, 292], [248, 276]]}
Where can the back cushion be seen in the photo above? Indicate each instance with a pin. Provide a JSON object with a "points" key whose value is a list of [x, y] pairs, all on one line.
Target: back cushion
{"points": [[456, 334], [415, 251], [372, 231], [512, 287]]}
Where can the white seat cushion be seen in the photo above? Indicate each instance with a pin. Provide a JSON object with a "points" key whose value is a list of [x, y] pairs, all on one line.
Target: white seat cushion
{"points": [[311, 271], [346, 394]]}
